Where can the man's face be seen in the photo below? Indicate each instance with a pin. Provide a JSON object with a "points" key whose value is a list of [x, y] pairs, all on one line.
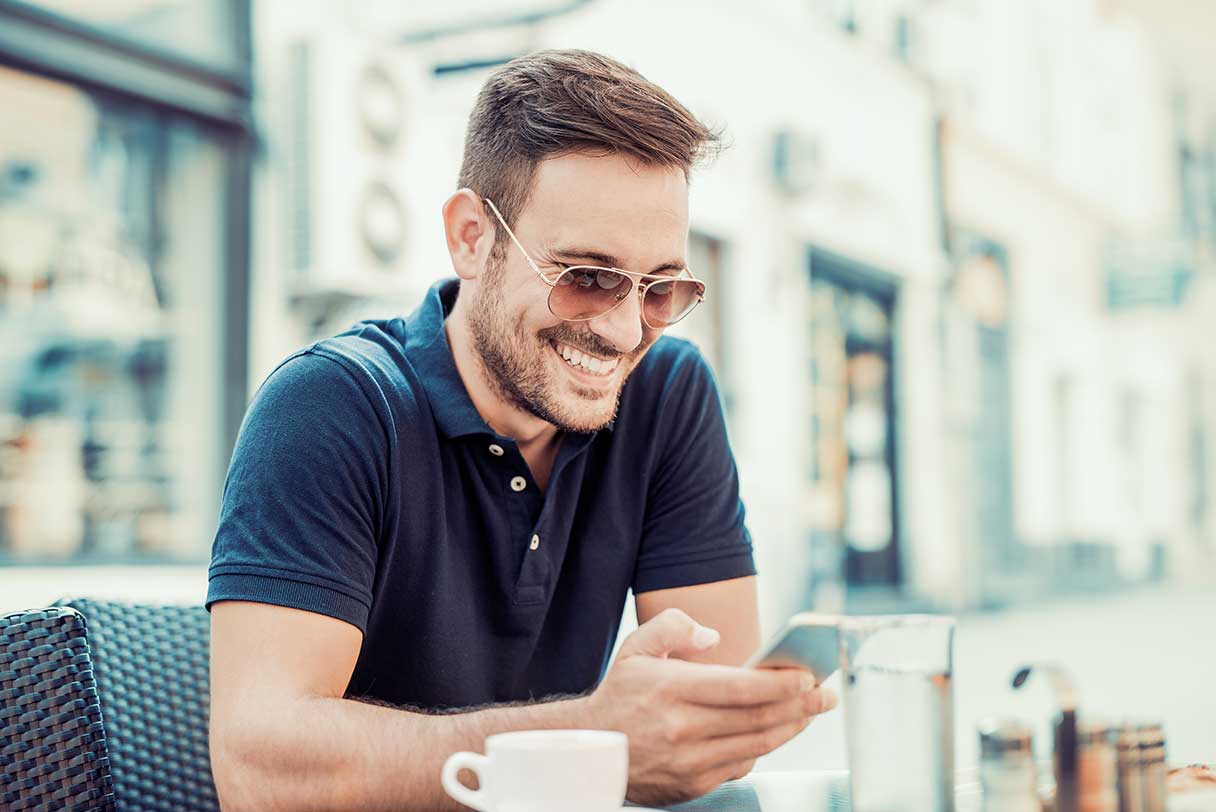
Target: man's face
{"points": [[584, 210]]}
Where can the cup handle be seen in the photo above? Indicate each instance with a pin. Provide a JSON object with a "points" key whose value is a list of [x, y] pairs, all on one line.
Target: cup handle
{"points": [[451, 783]]}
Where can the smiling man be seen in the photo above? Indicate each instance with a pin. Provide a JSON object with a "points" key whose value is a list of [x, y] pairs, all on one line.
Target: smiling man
{"points": [[430, 524]]}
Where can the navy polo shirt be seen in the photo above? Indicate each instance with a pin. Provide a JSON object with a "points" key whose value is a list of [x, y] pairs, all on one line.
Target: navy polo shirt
{"points": [[365, 486]]}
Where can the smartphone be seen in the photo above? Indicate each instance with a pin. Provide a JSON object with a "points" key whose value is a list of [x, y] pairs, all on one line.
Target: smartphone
{"points": [[809, 640]]}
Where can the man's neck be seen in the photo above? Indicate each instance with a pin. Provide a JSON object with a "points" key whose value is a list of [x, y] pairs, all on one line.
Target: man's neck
{"points": [[537, 439]]}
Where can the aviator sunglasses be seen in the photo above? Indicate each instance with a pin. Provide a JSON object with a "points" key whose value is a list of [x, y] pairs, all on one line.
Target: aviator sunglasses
{"points": [[585, 292]]}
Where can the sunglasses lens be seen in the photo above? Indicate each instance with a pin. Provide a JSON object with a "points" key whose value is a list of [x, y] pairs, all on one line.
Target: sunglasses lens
{"points": [[668, 302], [583, 293]]}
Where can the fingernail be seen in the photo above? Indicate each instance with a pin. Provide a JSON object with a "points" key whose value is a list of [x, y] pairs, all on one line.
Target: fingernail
{"points": [[808, 683], [830, 700], [704, 637]]}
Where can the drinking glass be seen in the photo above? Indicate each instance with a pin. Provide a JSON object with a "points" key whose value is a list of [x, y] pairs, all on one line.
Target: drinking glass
{"points": [[899, 711]]}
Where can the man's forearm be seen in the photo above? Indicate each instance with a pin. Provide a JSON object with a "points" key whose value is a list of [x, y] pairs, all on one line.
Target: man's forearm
{"points": [[326, 753]]}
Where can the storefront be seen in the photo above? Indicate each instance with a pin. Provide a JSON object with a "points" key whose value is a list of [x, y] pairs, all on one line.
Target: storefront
{"points": [[125, 154]]}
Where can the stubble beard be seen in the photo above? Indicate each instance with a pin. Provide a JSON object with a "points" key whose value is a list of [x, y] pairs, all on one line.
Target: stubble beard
{"points": [[515, 366]]}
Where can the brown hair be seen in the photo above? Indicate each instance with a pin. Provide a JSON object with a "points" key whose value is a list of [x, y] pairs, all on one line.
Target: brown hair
{"points": [[552, 102]]}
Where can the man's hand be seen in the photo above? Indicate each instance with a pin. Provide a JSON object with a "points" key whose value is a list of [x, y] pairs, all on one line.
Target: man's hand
{"points": [[692, 726]]}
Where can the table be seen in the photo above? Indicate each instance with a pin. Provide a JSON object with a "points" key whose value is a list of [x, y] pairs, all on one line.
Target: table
{"points": [[823, 791], [805, 791], [798, 791]]}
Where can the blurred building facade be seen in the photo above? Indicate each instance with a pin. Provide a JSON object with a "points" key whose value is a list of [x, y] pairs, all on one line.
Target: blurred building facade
{"points": [[959, 255], [1071, 144]]}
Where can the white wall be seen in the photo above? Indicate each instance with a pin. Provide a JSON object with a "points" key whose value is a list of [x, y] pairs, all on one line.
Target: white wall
{"points": [[1069, 86]]}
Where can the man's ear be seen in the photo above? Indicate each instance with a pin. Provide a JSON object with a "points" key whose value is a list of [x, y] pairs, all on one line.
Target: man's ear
{"points": [[470, 234]]}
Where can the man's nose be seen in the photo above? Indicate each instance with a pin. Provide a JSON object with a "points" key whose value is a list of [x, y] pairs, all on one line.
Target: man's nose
{"points": [[621, 327]]}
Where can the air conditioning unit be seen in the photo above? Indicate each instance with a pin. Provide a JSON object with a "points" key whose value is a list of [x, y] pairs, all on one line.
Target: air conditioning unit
{"points": [[352, 117]]}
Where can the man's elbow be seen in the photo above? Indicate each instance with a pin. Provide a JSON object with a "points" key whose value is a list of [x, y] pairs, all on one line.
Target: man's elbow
{"points": [[242, 783]]}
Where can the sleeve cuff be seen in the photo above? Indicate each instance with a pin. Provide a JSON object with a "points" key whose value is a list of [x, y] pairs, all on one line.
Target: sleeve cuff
{"points": [[279, 591], [738, 564]]}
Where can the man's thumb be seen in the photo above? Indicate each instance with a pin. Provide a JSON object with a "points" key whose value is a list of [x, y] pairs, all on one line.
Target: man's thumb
{"points": [[669, 632]]}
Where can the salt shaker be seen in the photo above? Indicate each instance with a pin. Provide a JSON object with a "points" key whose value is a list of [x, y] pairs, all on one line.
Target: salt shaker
{"points": [[1007, 770], [1097, 769], [1152, 765]]}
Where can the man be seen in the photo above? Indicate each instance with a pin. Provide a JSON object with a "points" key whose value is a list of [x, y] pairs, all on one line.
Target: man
{"points": [[430, 524]]}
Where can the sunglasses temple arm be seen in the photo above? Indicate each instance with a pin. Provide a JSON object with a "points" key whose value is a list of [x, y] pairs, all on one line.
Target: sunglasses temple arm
{"points": [[518, 244]]}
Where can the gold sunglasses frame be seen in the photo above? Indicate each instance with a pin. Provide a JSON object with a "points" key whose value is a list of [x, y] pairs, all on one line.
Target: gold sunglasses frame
{"points": [[640, 281]]}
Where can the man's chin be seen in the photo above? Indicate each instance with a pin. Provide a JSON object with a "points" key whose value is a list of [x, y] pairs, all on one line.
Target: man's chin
{"points": [[585, 410], [585, 418], [584, 427]]}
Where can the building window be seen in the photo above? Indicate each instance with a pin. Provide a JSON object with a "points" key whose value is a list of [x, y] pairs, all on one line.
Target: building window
{"points": [[124, 191], [111, 268]]}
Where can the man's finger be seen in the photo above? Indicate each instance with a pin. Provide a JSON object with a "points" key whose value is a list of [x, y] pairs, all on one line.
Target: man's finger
{"points": [[728, 721], [726, 686], [669, 632]]}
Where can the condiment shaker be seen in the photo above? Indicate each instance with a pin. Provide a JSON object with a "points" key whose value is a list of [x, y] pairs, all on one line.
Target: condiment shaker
{"points": [[1007, 770], [1097, 768], [1131, 773], [1152, 766]]}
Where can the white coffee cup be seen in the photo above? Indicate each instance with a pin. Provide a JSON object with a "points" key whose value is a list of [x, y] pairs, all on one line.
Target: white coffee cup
{"points": [[544, 771]]}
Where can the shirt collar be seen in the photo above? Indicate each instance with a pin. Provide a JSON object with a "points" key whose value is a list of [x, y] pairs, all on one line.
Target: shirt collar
{"points": [[427, 347]]}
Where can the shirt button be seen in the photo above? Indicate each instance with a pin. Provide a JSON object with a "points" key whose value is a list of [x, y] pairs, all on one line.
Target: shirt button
{"points": [[518, 483], [535, 543], [496, 449]]}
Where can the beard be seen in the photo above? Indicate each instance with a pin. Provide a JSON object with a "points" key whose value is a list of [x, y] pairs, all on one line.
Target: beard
{"points": [[516, 367]]}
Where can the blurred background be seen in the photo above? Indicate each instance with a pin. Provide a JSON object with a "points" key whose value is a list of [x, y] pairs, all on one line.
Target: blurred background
{"points": [[962, 268]]}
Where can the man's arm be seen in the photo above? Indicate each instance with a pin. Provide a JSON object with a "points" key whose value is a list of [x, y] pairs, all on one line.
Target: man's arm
{"points": [[284, 738], [729, 606]]}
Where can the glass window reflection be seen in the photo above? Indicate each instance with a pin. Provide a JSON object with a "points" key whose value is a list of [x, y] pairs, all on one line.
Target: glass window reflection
{"points": [[110, 275]]}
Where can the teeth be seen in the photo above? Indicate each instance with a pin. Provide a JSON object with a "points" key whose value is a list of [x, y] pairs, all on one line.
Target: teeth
{"points": [[590, 363]]}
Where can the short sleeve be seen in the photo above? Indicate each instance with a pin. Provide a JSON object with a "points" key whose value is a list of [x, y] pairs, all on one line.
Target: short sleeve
{"points": [[694, 530], [303, 498]]}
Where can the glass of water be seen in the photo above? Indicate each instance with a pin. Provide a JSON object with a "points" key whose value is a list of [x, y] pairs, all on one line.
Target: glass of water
{"points": [[899, 711]]}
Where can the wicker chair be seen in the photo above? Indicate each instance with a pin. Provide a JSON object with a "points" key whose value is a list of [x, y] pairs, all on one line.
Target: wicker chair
{"points": [[152, 670], [52, 748]]}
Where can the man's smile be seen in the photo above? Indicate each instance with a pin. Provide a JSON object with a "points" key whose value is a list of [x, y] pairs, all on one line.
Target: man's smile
{"points": [[584, 362]]}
